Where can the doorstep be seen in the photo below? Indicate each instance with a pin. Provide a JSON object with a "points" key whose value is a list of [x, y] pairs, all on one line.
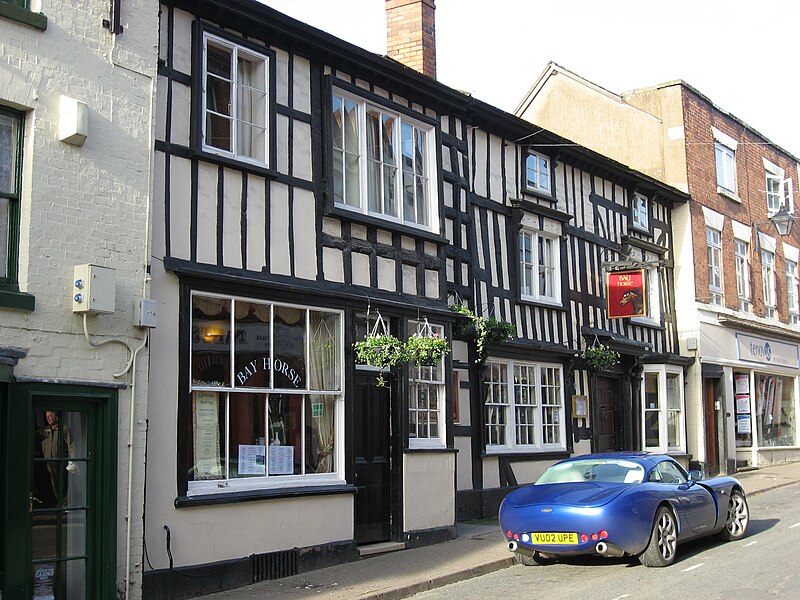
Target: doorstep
{"points": [[381, 548]]}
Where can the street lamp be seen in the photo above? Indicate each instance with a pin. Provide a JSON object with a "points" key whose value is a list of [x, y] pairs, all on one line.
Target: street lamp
{"points": [[782, 221]]}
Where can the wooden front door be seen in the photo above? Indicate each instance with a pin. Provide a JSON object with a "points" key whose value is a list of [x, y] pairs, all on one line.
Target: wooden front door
{"points": [[372, 454], [607, 415], [710, 412]]}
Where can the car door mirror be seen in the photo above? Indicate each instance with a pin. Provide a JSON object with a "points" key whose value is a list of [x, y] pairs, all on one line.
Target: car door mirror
{"points": [[695, 475]]}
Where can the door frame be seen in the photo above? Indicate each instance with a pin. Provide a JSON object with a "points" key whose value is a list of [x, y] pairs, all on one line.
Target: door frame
{"points": [[618, 406], [17, 478], [395, 524]]}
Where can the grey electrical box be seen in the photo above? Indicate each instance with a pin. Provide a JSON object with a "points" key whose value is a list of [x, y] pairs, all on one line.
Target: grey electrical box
{"points": [[146, 313], [94, 289]]}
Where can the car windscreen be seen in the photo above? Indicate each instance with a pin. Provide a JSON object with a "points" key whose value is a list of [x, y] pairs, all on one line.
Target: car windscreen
{"points": [[597, 470]]}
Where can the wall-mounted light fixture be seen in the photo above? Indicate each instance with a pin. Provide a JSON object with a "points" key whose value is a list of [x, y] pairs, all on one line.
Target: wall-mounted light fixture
{"points": [[782, 220]]}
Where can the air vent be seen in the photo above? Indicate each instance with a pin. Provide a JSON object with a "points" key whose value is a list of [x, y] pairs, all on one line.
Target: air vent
{"points": [[274, 565]]}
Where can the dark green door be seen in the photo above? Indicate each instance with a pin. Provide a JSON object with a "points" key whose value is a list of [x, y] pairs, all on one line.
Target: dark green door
{"points": [[60, 494]]}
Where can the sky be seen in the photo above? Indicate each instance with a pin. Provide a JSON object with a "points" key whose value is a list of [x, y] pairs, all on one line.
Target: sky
{"points": [[743, 55]]}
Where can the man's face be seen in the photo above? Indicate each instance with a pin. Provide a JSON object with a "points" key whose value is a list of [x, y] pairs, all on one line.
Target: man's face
{"points": [[52, 418]]}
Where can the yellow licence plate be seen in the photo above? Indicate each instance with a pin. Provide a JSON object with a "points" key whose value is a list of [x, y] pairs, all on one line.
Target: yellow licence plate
{"points": [[554, 538]]}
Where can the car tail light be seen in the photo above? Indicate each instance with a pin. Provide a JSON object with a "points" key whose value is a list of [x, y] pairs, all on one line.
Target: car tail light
{"points": [[603, 533], [516, 537], [595, 537], [584, 537], [509, 534]]}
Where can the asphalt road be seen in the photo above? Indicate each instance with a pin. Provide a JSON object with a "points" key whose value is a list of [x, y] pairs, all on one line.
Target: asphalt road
{"points": [[765, 564]]}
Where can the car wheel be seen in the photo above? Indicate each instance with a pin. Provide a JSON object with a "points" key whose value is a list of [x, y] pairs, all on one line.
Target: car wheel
{"points": [[535, 559], [738, 517], [660, 551]]}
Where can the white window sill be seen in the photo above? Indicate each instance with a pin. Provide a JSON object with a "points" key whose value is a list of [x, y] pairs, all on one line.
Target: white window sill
{"points": [[729, 194]]}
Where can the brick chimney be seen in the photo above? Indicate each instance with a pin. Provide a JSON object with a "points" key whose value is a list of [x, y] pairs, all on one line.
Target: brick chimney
{"points": [[411, 34]]}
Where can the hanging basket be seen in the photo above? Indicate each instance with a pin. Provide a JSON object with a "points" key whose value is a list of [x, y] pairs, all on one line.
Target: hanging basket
{"points": [[481, 330], [599, 357], [425, 348], [380, 349]]}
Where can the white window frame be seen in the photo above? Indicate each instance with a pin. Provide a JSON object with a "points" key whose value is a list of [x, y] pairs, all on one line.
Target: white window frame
{"points": [[665, 374], [742, 252], [227, 484], [653, 286], [255, 57], [537, 173], [505, 398], [716, 292], [779, 188], [725, 161], [792, 297], [429, 166], [640, 212], [433, 379], [531, 262], [768, 283]]}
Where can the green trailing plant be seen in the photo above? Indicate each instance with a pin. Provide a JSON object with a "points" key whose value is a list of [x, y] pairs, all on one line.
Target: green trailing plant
{"points": [[426, 350], [483, 330], [599, 357], [382, 351]]}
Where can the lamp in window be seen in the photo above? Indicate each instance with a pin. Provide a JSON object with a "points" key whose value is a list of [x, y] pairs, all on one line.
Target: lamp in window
{"points": [[782, 220]]}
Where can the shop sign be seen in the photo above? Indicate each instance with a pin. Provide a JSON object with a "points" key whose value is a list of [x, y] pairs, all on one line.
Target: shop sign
{"points": [[265, 363], [767, 352], [626, 294]]}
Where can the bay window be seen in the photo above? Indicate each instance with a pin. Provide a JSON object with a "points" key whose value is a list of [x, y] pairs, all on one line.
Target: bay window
{"points": [[266, 395], [383, 162], [663, 409], [524, 406]]}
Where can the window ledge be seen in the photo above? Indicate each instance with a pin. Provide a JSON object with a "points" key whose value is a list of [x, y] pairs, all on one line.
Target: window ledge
{"points": [[385, 224], [531, 454], [729, 194], [23, 15], [13, 298], [541, 303], [539, 194], [263, 494], [429, 449]]}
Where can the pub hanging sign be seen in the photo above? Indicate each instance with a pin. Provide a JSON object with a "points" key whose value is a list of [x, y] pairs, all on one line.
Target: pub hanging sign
{"points": [[626, 294]]}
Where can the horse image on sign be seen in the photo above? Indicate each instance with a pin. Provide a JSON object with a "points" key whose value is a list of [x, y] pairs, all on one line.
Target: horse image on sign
{"points": [[626, 294]]}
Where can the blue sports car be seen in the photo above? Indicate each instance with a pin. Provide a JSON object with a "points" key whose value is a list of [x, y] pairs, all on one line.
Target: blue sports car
{"points": [[618, 504]]}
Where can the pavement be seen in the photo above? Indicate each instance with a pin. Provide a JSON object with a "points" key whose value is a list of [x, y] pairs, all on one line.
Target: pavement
{"points": [[478, 549]]}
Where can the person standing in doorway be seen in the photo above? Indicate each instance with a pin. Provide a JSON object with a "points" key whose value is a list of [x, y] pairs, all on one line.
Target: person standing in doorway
{"points": [[57, 445]]}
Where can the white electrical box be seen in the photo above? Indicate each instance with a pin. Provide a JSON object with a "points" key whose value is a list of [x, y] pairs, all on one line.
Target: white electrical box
{"points": [[94, 289], [146, 314]]}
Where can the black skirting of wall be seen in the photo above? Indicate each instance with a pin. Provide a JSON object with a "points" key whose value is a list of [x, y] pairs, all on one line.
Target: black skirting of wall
{"points": [[427, 537], [192, 581], [480, 504]]}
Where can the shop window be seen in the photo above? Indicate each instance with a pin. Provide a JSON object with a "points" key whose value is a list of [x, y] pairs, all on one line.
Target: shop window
{"points": [[663, 409], [775, 410], [383, 162], [235, 100], [524, 407], [426, 402], [743, 412], [266, 395]]}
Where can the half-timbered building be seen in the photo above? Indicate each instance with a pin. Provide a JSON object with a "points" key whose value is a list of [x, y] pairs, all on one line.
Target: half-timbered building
{"points": [[310, 195]]}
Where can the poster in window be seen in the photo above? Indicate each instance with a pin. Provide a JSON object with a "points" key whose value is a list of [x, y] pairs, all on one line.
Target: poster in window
{"points": [[205, 425], [252, 459], [742, 383], [281, 460], [743, 404], [626, 294], [743, 424]]}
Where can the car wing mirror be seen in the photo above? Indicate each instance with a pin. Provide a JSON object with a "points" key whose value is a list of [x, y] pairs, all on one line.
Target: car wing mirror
{"points": [[695, 475]]}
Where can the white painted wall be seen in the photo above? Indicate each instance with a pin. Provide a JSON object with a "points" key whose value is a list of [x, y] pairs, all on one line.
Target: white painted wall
{"points": [[85, 204]]}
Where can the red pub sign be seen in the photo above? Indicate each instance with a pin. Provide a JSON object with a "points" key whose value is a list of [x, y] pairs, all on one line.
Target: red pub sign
{"points": [[626, 294]]}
